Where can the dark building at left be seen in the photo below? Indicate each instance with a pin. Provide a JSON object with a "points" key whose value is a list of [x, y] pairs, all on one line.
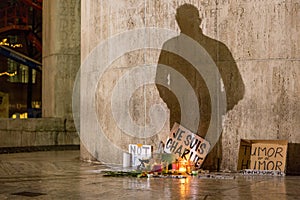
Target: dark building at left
{"points": [[20, 58]]}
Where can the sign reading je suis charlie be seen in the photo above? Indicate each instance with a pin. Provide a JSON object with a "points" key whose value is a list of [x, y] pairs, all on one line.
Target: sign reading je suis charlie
{"points": [[186, 145]]}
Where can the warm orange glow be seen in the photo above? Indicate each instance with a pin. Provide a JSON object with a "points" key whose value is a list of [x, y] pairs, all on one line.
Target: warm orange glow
{"points": [[21, 116], [182, 169], [139, 145], [5, 43], [8, 74], [189, 167], [184, 188], [182, 166]]}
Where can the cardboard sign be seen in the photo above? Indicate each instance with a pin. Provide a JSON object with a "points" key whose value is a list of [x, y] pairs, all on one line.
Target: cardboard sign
{"points": [[186, 145], [140, 153], [263, 155]]}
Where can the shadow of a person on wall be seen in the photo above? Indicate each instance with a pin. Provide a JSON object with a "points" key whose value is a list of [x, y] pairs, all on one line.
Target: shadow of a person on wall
{"points": [[187, 17]]}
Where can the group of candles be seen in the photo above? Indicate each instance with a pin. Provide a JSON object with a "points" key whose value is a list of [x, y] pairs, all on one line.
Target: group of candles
{"points": [[179, 166]]}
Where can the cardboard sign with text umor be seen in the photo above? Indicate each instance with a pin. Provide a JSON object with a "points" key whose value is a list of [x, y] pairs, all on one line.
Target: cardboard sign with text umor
{"points": [[263, 155], [186, 145]]}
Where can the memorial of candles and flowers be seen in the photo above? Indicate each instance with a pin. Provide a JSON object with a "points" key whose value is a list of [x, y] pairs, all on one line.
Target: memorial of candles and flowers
{"points": [[181, 155]]}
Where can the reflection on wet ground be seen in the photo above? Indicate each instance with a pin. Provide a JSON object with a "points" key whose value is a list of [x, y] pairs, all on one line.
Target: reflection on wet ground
{"points": [[61, 175]]}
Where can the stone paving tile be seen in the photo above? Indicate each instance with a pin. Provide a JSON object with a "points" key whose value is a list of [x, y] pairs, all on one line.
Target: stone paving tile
{"points": [[61, 175]]}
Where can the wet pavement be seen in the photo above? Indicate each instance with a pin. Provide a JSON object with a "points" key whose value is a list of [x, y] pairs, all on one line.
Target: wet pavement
{"points": [[61, 175]]}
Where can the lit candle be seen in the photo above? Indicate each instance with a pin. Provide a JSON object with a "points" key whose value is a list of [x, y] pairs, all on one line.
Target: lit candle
{"points": [[182, 166], [189, 167], [174, 166]]}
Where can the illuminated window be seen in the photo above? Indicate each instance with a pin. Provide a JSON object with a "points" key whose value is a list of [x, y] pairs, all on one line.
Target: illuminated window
{"points": [[21, 72], [13, 67]]}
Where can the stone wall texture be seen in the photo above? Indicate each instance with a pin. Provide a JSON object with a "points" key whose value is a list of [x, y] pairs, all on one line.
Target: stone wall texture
{"points": [[61, 55], [37, 132], [263, 38]]}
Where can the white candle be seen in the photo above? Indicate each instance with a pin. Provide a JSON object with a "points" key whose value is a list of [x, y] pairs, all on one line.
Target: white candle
{"points": [[126, 159]]}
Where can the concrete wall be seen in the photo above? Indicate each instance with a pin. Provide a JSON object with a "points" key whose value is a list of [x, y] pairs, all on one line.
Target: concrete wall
{"points": [[263, 39], [37, 132], [61, 55]]}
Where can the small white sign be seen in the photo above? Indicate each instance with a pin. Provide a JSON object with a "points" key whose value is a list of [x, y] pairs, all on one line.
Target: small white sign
{"points": [[140, 153]]}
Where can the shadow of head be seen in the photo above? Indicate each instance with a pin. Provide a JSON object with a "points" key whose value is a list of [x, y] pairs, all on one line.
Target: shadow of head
{"points": [[187, 17]]}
